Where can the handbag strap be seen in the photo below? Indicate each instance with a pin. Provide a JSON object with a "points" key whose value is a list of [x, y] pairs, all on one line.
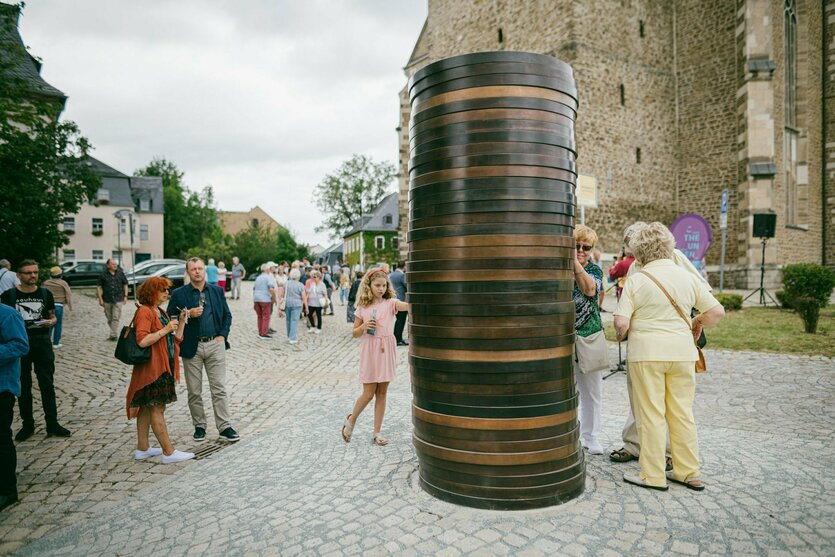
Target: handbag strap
{"points": [[672, 301]]}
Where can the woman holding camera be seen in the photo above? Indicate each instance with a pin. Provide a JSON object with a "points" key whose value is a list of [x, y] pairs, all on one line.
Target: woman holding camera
{"points": [[590, 349], [152, 383]]}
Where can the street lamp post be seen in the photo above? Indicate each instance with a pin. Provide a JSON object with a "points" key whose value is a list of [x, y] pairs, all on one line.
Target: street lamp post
{"points": [[120, 214]]}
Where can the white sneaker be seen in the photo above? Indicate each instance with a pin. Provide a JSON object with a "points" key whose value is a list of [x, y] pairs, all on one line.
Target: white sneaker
{"points": [[317, 331], [142, 455], [176, 456], [594, 448], [57, 345], [293, 341]]}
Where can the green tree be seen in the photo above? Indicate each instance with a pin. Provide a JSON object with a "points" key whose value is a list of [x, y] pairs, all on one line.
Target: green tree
{"points": [[354, 189], [43, 169], [288, 248], [190, 217], [255, 246]]}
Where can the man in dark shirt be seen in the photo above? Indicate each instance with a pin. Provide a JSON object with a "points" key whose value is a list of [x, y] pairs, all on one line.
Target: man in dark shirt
{"points": [[37, 308], [398, 280], [112, 290], [204, 344]]}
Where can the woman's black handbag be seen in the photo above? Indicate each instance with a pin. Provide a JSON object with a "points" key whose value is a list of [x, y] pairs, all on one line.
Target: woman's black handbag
{"points": [[128, 350]]}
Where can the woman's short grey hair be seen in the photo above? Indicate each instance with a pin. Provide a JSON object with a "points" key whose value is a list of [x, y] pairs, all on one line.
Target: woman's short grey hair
{"points": [[629, 233], [295, 274], [652, 242]]}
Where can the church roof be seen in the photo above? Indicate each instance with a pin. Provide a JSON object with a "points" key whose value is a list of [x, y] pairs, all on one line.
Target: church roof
{"points": [[22, 65]]}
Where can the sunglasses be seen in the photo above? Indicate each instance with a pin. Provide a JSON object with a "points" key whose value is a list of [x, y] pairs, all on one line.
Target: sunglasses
{"points": [[582, 247]]}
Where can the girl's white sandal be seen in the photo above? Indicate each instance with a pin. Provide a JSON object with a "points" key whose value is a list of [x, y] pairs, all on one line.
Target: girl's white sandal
{"points": [[347, 429]]}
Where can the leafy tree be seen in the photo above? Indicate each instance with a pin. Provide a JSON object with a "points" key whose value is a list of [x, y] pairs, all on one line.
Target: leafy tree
{"points": [[354, 189], [288, 248], [255, 246], [190, 217], [43, 170]]}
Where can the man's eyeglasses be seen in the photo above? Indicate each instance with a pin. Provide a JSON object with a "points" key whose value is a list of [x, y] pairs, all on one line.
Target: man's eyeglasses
{"points": [[582, 247], [29, 272]]}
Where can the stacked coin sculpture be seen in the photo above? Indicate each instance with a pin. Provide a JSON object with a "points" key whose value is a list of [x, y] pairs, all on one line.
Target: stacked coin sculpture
{"points": [[491, 203]]}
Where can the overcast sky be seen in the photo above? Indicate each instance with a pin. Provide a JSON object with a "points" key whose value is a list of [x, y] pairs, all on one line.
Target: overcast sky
{"points": [[258, 98]]}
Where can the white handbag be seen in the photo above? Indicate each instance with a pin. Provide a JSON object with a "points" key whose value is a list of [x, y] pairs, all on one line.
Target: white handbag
{"points": [[591, 353]]}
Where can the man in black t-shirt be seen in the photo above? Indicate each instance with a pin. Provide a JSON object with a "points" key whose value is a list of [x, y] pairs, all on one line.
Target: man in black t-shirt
{"points": [[112, 291], [37, 308]]}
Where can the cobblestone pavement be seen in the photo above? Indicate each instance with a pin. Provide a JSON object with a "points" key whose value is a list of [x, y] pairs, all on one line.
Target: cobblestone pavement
{"points": [[292, 487]]}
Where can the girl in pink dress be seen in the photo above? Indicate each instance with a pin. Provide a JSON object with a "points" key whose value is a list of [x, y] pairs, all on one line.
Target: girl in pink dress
{"points": [[377, 305]]}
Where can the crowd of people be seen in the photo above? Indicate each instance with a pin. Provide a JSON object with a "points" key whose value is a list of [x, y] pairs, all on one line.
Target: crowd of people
{"points": [[664, 302], [190, 324]]}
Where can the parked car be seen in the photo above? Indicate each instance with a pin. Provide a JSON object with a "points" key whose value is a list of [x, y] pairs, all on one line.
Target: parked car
{"points": [[175, 273], [82, 272]]}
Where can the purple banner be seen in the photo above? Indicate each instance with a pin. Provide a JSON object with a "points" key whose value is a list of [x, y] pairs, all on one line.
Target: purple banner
{"points": [[693, 235]]}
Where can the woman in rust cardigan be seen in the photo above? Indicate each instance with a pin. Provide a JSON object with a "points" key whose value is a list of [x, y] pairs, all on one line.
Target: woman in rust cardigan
{"points": [[152, 383]]}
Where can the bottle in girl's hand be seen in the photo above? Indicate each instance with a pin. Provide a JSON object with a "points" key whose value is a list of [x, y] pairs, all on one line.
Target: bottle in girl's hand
{"points": [[373, 318]]}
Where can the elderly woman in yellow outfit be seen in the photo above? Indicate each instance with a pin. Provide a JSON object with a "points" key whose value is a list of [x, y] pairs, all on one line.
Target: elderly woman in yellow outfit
{"points": [[662, 355]]}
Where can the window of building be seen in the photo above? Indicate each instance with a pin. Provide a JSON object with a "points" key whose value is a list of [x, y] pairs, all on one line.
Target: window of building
{"points": [[98, 255], [98, 226], [790, 66], [103, 196], [641, 28], [501, 36], [117, 255], [254, 223], [638, 155], [380, 242], [69, 254], [395, 243], [622, 95], [790, 136], [69, 223], [144, 204], [123, 226], [143, 232], [387, 219]]}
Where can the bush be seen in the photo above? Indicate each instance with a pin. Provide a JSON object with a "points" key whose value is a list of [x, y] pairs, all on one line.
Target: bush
{"points": [[808, 287], [730, 302], [783, 299]]}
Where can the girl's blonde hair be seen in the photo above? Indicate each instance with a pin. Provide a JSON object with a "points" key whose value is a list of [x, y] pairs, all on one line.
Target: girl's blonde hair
{"points": [[365, 296]]}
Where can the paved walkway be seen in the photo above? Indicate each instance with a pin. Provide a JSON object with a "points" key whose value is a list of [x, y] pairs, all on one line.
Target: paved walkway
{"points": [[292, 487]]}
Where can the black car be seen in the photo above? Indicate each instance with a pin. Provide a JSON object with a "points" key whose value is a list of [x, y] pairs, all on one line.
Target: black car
{"points": [[84, 272]]}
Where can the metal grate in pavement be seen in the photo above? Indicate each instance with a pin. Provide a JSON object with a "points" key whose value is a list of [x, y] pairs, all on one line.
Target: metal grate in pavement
{"points": [[208, 449]]}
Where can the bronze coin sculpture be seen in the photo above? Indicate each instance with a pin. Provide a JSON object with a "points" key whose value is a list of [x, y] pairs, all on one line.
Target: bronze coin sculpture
{"points": [[491, 205]]}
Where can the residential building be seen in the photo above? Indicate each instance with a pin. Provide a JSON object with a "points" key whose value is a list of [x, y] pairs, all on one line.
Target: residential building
{"points": [[679, 100], [233, 222], [329, 256], [374, 238], [124, 222]]}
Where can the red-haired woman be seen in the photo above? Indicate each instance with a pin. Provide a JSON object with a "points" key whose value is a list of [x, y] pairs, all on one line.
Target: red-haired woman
{"points": [[152, 383]]}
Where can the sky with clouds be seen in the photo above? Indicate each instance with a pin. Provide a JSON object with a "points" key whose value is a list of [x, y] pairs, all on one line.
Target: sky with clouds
{"points": [[258, 98]]}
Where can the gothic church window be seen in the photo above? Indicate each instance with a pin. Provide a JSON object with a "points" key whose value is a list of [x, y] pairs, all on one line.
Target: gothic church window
{"points": [[790, 134]]}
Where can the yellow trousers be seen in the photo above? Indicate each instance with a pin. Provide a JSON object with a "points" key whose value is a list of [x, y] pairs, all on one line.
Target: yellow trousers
{"points": [[663, 392]]}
